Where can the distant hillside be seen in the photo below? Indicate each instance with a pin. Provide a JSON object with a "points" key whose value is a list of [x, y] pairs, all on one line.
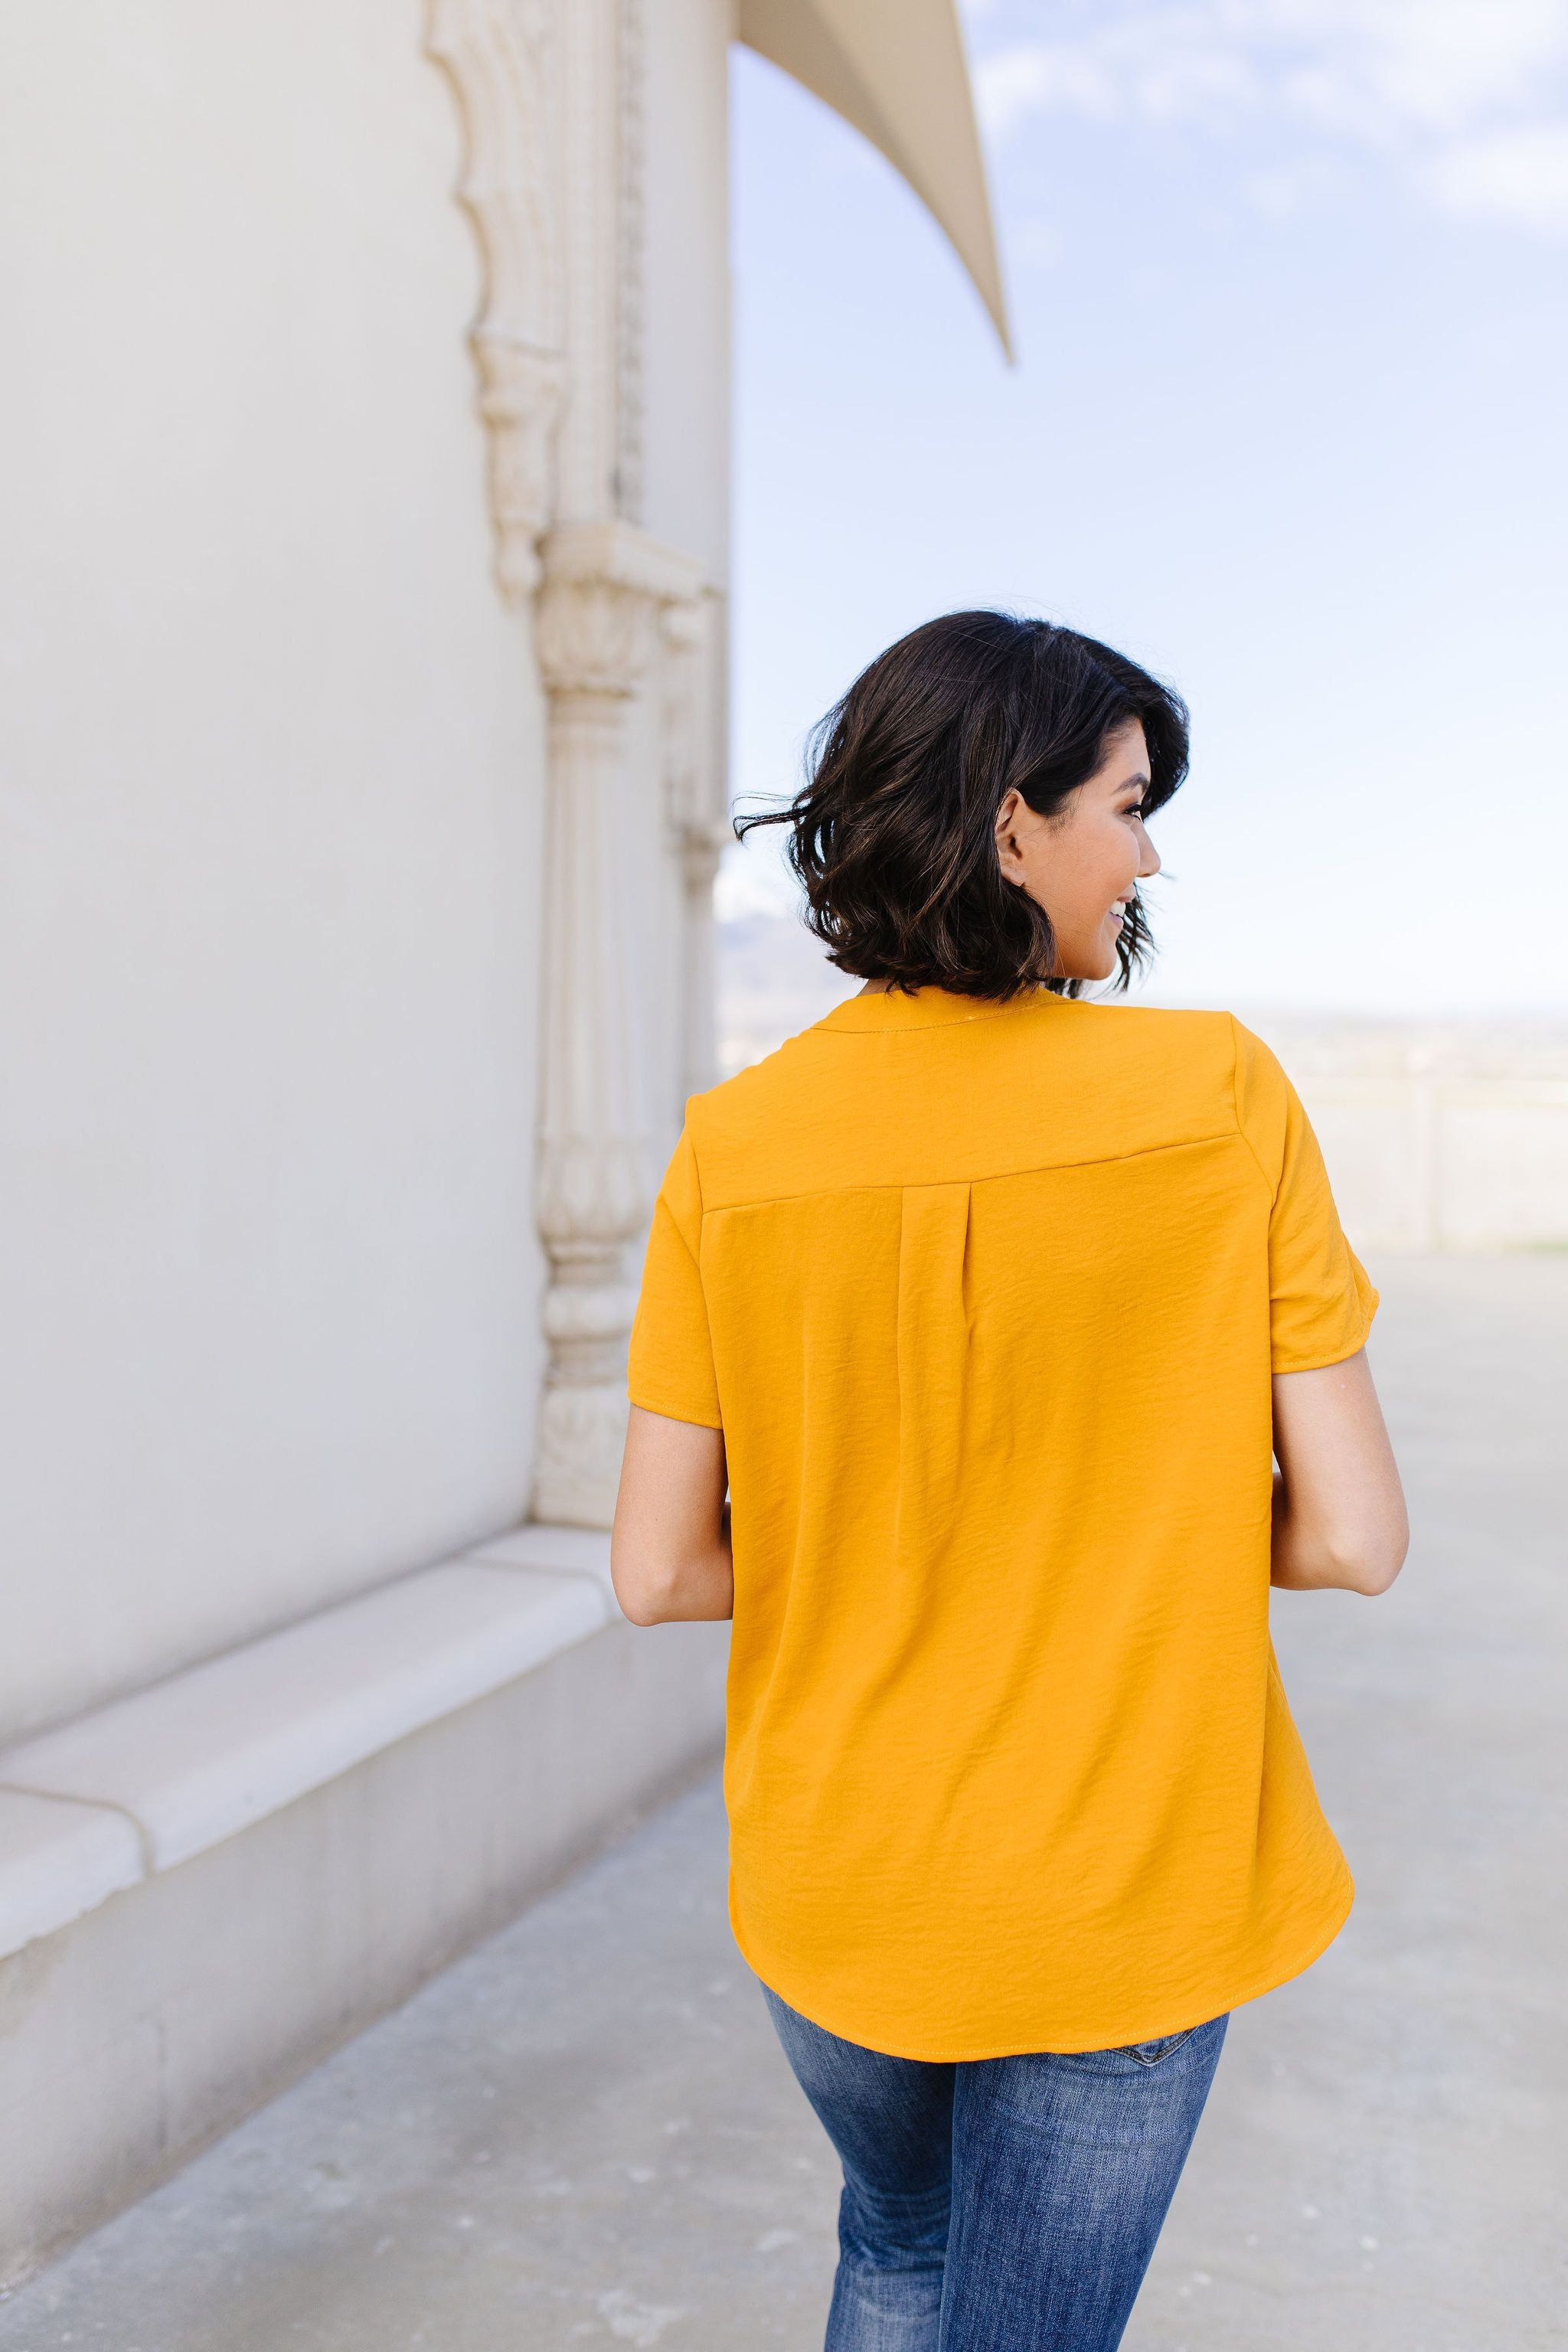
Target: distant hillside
{"points": [[774, 980]]}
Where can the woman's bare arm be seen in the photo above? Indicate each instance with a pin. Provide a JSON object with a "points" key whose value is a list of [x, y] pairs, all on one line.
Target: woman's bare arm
{"points": [[670, 1552], [1338, 1509]]}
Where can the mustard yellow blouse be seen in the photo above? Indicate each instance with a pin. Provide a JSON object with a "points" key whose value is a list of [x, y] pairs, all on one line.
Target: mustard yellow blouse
{"points": [[985, 1300]]}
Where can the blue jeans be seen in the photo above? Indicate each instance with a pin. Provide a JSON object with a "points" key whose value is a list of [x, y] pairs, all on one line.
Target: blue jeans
{"points": [[1001, 2204]]}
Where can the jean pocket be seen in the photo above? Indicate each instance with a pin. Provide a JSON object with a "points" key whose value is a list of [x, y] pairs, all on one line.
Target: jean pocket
{"points": [[1149, 2053]]}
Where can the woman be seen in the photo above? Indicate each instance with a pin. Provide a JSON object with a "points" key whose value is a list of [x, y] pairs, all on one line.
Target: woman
{"points": [[991, 1308]]}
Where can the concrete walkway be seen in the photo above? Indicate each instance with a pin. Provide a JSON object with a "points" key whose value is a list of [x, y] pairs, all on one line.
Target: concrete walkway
{"points": [[585, 2135]]}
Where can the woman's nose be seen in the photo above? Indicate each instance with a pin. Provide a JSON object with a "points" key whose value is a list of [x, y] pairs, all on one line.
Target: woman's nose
{"points": [[1149, 864]]}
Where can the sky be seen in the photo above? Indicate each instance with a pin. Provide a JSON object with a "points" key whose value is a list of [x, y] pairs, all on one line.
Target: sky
{"points": [[1287, 282]]}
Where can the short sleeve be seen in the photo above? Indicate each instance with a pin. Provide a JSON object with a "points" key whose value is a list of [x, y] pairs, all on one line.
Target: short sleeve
{"points": [[1320, 1300], [670, 1364]]}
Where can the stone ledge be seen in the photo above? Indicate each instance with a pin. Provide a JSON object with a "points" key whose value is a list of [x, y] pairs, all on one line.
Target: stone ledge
{"points": [[133, 2034], [554, 1551], [58, 1859], [140, 1785]]}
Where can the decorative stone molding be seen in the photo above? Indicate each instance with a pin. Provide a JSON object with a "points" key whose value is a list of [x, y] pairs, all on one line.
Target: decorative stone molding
{"points": [[686, 717], [591, 204], [519, 397], [499, 56], [606, 586], [631, 144], [697, 806]]}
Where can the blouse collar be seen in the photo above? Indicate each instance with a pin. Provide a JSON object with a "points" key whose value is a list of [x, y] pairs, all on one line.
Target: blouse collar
{"points": [[929, 1008]]}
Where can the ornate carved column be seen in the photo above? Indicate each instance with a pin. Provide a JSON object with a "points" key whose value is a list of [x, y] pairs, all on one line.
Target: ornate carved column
{"points": [[597, 628], [550, 95]]}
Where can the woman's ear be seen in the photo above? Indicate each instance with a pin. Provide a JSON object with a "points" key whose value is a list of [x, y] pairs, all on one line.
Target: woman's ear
{"points": [[1009, 857]]}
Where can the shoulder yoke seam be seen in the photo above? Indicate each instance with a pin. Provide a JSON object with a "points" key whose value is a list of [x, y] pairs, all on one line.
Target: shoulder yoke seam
{"points": [[998, 1176]]}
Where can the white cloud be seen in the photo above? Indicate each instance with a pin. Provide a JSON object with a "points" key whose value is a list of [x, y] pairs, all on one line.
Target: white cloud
{"points": [[1469, 97], [1437, 63], [1042, 78], [1156, 63], [1519, 176]]}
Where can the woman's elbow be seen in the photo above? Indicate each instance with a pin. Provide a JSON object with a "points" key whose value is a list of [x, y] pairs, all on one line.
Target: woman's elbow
{"points": [[1369, 1567], [1379, 1574], [647, 1612], [644, 1590]]}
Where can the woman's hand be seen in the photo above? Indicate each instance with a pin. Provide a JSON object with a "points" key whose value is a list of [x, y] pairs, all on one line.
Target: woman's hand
{"points": [[669, 1551], [1339, 1521]]}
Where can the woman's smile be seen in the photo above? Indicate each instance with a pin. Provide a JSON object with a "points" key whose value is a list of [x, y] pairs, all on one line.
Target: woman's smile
{"points": [[1065, 859]]}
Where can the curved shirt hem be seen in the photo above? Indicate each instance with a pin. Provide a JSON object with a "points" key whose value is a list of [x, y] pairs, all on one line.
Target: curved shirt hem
{"points": [[1075, 2045], [1319, 1359], [700, 1416]]}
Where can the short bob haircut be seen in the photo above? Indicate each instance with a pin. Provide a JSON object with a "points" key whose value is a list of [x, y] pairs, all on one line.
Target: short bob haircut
{"points": [[893, 832]]}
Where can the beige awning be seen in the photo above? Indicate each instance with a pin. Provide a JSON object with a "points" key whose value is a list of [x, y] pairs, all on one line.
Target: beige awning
{"points": [[896, 69]]}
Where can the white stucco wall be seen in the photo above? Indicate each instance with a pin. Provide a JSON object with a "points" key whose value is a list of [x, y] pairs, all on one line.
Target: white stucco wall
{"points": [[268, 841], [686, 278]]}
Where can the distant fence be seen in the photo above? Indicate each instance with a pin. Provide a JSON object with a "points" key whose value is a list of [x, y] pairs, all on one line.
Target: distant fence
{"points": [[1437, 1138]]}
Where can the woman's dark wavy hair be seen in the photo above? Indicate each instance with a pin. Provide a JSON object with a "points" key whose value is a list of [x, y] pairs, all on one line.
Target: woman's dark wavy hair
{"points": [[893, 832]]}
